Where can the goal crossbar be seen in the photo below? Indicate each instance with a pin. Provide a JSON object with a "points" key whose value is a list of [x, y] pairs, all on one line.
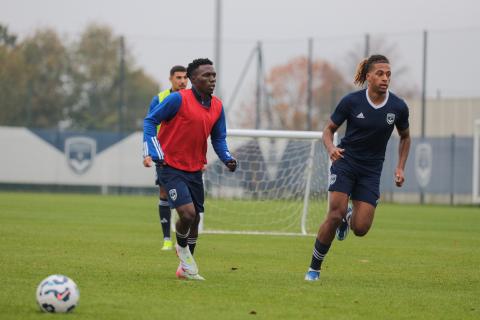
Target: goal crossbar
{"points": [[252, 133]]}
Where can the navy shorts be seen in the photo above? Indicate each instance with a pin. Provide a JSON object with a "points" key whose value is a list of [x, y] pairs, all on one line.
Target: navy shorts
{"points": [[362, 184], [157, 179], [182, 187]]}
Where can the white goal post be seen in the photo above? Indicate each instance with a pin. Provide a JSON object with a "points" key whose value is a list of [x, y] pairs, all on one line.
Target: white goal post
{"points": [[279, 187]]}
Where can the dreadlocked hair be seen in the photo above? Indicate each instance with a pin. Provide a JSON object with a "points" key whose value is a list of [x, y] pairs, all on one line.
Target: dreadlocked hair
{"points": [[364, 67], [192, 66]]}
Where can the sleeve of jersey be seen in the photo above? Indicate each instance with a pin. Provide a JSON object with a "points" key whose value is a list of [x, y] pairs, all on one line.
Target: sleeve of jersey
{"points": [[403, 123], [341, 112], [153, 103], [163, 111], [218, 137]]}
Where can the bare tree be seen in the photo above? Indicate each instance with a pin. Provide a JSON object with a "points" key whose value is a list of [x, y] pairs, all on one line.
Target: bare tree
{"points": [[286, 95]]}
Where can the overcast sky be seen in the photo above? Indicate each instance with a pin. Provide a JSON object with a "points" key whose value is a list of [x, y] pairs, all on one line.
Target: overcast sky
{"points": [[164, 33]]}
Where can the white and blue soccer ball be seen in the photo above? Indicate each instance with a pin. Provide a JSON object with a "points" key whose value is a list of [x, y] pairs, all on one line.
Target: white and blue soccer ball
{"points": [[57, 294]]}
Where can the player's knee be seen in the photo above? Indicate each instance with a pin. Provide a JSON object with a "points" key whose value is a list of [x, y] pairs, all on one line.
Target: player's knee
{"points": [[192, 219], [335, 216], [187, 216], [163, 194], [196, 220], [335, 220], [360, 231]]}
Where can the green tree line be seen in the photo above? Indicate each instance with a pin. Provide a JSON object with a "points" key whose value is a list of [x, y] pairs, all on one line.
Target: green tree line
{"points": [[90, 83]]}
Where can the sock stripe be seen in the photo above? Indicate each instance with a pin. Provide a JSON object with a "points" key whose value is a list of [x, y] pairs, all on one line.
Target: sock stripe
{"points": [[318, 255], [163, 203], [184, 236]]}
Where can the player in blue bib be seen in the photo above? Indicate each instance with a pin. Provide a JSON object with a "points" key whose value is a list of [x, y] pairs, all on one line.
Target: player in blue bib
{"points": [[371, 114]]}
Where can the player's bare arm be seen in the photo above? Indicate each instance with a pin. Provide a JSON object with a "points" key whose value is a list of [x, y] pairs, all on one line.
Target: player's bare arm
{"points": [[333, 152], [403, 149]]}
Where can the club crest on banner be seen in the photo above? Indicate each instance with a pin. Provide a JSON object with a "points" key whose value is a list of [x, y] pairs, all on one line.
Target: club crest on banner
{"points": [[80, 153], [423, 163], [390, 118]]}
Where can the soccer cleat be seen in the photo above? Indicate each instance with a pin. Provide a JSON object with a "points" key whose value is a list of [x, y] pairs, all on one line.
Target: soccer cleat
{"points": [[183, 275], [342, 230], [167, 245], [186, 260], [312, 275], [180, 272], [195, 277]]}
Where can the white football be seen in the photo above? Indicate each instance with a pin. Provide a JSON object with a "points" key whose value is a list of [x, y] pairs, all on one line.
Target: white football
{"points": [[57, 293]]}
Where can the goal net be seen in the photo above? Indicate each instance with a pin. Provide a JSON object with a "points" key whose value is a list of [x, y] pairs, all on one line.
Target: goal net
{"points": [[279, 187]]}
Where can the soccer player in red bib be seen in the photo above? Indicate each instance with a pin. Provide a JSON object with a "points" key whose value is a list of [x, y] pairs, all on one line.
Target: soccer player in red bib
{"points": [[188, 118], [371, 114]]}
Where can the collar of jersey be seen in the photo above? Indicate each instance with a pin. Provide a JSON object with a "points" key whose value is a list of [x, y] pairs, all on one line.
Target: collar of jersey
{"points": [[206, 102], [378, 106]]}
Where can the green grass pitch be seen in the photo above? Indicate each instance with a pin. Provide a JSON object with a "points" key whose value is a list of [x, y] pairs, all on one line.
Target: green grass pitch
{"points": [[417, 262]]}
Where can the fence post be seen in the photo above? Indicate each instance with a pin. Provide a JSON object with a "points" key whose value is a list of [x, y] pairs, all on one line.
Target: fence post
{"points": [[424, 100], [452, 169]]}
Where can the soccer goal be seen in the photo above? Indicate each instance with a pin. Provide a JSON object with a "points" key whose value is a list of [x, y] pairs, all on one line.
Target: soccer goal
{"points": [[280, 186]]}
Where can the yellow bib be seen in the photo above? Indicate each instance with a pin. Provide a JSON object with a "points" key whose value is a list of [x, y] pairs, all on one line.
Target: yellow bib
{"points": [[162, 95]]}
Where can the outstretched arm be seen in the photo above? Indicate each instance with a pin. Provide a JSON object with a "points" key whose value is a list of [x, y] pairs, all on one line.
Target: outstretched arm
{"points": [[403, 149]]}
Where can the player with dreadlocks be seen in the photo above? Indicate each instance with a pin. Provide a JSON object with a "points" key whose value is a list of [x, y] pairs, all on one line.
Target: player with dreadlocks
{"points": [[188, 118], [357, 161]]}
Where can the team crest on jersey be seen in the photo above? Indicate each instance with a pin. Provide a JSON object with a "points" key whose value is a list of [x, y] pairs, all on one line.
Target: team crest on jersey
{"points": [[390, 118], [333, 178], [80, 152], [173, 194]]}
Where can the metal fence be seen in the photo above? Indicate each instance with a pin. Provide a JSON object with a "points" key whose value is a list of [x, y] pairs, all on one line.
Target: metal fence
{"points": [[441, 168], [309, 75]]}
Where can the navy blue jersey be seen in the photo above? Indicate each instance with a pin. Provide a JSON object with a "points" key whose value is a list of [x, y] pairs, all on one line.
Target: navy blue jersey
{"points": [[369, 127]]}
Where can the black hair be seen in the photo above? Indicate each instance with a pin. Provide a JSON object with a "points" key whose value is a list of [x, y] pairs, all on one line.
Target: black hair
{"points": [[192, 66], [177, 68], [364, 67]]}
